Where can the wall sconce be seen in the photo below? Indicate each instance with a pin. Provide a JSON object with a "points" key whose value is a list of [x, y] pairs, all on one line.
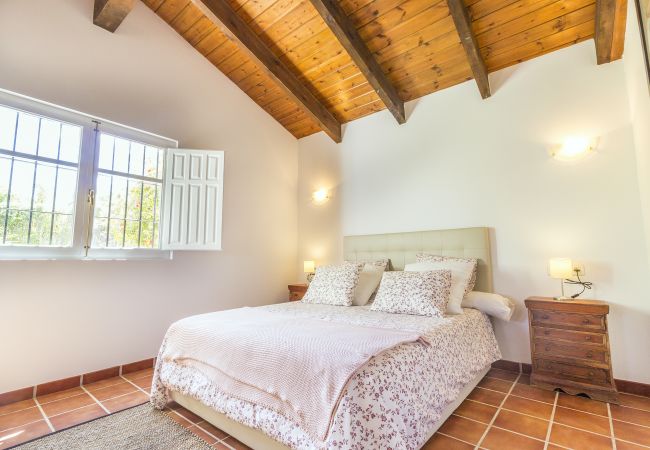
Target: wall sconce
{"points": [[309, 267], [573, 148], [320, 196], [563, 268]]}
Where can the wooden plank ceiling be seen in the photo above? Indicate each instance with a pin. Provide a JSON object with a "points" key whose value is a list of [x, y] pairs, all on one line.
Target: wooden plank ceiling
{"points": [[415, 42]]}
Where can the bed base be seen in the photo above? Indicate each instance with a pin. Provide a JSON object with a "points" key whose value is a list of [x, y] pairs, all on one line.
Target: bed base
{"points": [[260, 441]]}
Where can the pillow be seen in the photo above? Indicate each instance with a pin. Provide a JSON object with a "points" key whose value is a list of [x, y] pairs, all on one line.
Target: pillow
{"points": [[428, 257], [461, 273], [494, 305], [334, 284], [422, 293], [369, 280]]}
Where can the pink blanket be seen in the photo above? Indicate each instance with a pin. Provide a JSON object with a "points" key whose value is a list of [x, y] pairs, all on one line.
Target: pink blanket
{"points": [[296, 367]]}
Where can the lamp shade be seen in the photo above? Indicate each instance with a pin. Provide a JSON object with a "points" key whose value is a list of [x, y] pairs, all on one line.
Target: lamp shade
{"points": [[309, 267], [560, 268]]}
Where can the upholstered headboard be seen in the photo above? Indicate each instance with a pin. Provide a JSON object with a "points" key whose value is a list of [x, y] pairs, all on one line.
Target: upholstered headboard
{"points": [[401, 248]]}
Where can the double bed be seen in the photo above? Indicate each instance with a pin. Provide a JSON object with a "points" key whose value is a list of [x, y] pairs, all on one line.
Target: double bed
{"points": [[397, 399]]}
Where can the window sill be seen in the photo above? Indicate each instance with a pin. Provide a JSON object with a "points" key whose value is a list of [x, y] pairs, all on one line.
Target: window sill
{"points": [[40, 254]]}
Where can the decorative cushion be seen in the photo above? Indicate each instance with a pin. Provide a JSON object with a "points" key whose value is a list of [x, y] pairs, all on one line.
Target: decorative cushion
{"points": [[494, 305], [421, 293], [428, 257], [461, 272], [334, 284], [369, 280]]}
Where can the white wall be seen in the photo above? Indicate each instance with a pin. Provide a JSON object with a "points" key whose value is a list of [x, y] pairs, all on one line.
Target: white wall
{"points": [[58, 318], [639, 95], [461, 161]]}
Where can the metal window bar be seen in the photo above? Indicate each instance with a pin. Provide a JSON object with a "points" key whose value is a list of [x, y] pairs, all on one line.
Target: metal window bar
{"points": [[141, 205], [31, 202], [126, 198], [11, 176], [110, 196], [56, 184]]}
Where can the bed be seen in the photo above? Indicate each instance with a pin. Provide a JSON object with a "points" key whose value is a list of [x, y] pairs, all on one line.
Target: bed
{"points": [[396, 400]]}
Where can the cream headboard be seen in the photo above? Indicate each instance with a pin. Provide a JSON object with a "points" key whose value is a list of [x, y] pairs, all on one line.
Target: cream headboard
{"points": [[401, 248]]}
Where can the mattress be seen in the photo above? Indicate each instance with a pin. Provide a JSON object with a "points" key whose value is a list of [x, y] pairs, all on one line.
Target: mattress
{"points": [[391, 402]]}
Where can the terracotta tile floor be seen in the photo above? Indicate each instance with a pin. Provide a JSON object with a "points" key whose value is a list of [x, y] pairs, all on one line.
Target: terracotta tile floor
{"points": [[504, 412]]}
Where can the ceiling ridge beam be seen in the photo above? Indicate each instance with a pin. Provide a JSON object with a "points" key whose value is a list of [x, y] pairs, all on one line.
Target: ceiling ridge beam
{"points": [[347, 34], [109, 14], [463, 23], [237, 30], [611, 18]]}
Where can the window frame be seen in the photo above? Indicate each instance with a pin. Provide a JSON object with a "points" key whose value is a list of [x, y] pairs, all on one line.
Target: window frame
{"points": [[86, 181]]}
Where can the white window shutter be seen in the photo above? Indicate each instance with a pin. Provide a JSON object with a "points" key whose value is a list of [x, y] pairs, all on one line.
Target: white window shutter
{"points": [[193, 199]]}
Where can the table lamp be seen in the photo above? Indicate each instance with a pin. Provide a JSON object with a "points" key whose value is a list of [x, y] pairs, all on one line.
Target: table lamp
{"points": [[309, 267], [560, 268]]}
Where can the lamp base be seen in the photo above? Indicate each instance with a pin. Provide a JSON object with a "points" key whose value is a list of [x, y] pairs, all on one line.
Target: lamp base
{"points": [[562, 297], [310, 276]]}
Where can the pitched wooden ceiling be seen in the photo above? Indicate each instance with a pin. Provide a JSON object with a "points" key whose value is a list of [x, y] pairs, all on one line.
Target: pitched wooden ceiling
{"points": [[314, 64]]}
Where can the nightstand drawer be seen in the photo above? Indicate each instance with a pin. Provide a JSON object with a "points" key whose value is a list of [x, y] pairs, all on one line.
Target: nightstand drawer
{"points": [[568, 320], [295, 296], [569, 335], [581, 373], [552, 349]]}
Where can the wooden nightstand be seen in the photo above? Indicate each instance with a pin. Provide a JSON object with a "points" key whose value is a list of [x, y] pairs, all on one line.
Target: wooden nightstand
{"points": [[569, 346], [297, 291]]}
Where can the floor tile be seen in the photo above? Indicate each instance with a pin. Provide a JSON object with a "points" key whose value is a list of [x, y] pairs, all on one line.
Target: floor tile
{"points": [[477, 411], [440, 442], [578, 439], [92, 387], [498, 439], [26, 433], [125, 401], [77, 416], [582, 420], [114, 391], [634, 401], [582, 404], [59, 395], [202, 434], [621, 445], [189, 415], [179, 419], [221, 446], [502, 374], [144, 383], [486, 396], [13, 407], [67, 404], [533, 393], [139, 374], [495, 384], [463, 429], [524, 379], [632, 415], [216, 432], [19, 418], [520, 423], [530, 407], [632, 433]]}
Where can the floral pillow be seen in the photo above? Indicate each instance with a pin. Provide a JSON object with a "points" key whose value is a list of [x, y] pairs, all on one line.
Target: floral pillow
{"points": [[421, 293], [429, 257], [334, 284]]}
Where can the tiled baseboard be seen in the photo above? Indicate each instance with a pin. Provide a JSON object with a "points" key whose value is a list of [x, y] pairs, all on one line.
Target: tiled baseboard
{"points": [[72, 382], [629, 387]]}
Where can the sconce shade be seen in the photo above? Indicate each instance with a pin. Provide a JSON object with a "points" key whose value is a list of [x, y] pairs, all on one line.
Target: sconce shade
{"points": [[309, 267], [560, 268], [320, 196]]}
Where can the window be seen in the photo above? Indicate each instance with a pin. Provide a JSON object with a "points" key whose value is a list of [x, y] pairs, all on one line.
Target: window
{"points": [[75, 187]]}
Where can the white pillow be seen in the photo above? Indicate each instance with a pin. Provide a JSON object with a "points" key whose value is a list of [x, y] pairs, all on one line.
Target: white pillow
{"points": [[494, 305], [369, 280], [461, 274]]}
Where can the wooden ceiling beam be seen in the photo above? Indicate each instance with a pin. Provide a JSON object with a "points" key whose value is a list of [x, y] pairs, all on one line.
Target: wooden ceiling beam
{"points": [[348, 36], [237, 30], [611, 18], [109, 14], [463, 23]]}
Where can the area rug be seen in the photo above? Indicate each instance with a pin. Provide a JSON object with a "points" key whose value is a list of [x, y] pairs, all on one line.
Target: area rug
{"points": [[142, 427]]}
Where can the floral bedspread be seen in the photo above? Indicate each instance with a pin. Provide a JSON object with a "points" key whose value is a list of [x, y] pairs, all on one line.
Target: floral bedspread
{"points": [[390, 403]]}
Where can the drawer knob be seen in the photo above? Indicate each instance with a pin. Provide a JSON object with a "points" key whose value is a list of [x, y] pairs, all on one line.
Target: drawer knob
{"points": [[548, 349], [588, 338], [590, 354], [591, 374], [547, 332], [545, 317], [586, 321]]}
